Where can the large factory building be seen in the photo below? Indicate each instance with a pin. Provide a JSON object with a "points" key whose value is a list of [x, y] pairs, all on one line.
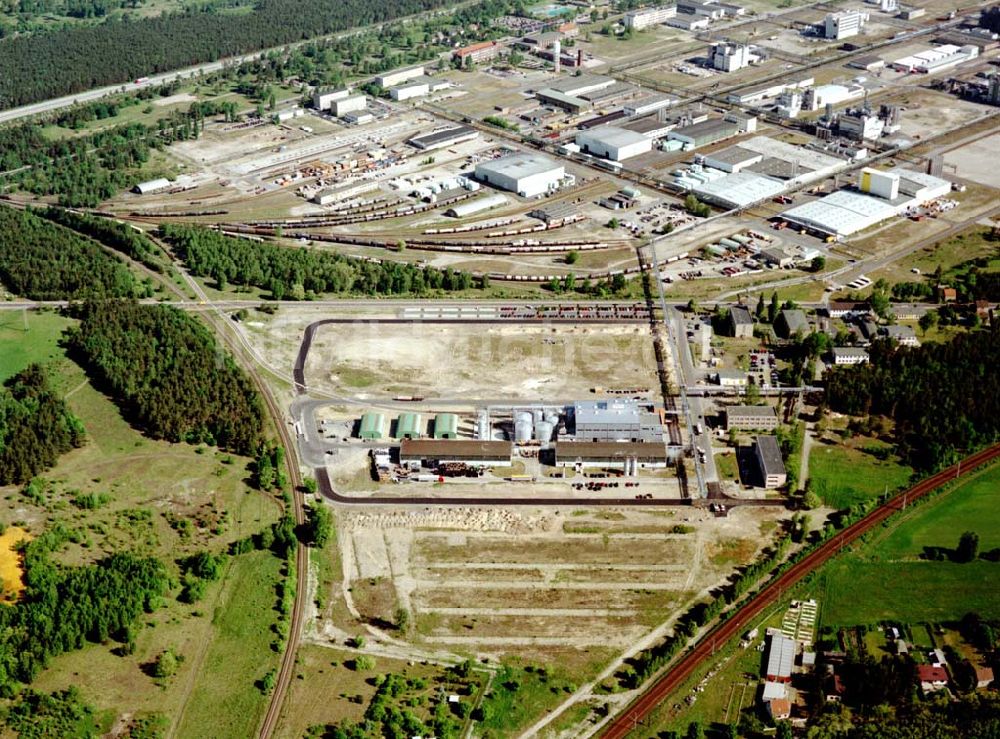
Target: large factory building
{"points": [[526, 174], [615, 420]]}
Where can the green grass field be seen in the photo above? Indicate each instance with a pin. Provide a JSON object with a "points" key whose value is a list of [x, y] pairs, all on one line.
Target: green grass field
{"points": [[40, 343], [886, 578], [843, 475], [166, 500]]}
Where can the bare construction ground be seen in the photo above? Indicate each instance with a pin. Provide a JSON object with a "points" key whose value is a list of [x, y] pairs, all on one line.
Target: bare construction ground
{"points": [[977, 161], [519, 361], [494, 582]]}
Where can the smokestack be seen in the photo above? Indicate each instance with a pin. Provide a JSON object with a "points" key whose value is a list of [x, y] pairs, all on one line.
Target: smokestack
{"points": [[557, 56]]}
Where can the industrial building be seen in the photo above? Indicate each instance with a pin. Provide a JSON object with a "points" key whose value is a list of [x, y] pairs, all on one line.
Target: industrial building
{"points": [[568, 93], [739, 190], [881, 196], [730, 378], [937, 59], [443, 138], [434, 452], [399, 76], [372, 426], [323, 99], [819, 97], [409, 426], [732, 159], [351, 104], [844, 24], [780, 657], [416, 87], [445, 426], [637, 20], [614, 143], [477, 205], [704, 133], [751, 418], [600, 454], [689, 22], [772, 467], [527, 174], [860, 125], [759, 93], [615, 420], [144, 188], [648, 104], [478, 53], [731, 57]]}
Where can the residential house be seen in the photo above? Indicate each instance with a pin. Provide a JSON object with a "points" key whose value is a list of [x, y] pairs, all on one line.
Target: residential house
{"points": [[740, 322], [789, 322], [984, 676], [932, 677]]}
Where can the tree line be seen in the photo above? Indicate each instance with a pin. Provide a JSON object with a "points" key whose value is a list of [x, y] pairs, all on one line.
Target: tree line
{"points": [[119, 236], [36, 426], [941, 395], [47, 65], [168, 375], [296, 273], [41, 260], [63, 608]]}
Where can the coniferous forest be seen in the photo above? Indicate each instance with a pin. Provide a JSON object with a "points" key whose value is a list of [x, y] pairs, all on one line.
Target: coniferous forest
{"points": [[168, 375], [942, 396], [46, 65], [41, 260], [293, 273], [35, 426]]}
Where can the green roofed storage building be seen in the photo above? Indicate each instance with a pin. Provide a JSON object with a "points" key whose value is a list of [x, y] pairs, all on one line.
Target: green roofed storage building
{"points": [[408, 426], [372, 426], [445, 426]]}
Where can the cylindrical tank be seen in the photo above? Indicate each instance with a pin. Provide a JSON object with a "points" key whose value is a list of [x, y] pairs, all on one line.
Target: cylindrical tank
{"points": [[551, 416], [543, 431], [523, 426], [483, 426]]}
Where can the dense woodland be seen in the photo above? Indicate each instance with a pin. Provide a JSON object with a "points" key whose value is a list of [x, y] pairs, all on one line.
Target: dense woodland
{"points": [[119, 236], [35, 426], [166, 372], [294, 273], [41, 260], [47, 65], [62, 608], [942, 396]]}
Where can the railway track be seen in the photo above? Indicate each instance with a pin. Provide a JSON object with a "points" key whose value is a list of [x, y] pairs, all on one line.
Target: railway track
{"points": [[633, 716]]}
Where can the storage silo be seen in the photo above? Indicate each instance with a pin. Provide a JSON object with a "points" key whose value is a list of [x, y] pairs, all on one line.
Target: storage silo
{"points": [[523, 426], [483, 426], [543, 431]]}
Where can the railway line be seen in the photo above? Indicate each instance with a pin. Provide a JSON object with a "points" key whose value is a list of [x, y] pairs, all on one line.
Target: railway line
{"points": [[638, 711]]}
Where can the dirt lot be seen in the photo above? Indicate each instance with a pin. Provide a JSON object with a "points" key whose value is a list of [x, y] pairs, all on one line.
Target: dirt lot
{"points": [[369, 360], [493, 582], [977, 161]]}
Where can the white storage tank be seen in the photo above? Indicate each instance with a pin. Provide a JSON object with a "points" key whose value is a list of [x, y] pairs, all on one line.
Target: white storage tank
{"points": [[523, 426], [543, 431]]}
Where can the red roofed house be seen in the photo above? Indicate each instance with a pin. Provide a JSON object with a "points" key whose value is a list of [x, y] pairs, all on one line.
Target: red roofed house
{"points": [[780, 708], [984, 676], [482, 52], [932, 678]]}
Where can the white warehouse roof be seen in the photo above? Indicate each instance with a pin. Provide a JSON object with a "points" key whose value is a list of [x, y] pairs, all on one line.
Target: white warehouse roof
{"points": [[470, 207], [518, 166], [739, 190], [842, 213], [612, 136]]}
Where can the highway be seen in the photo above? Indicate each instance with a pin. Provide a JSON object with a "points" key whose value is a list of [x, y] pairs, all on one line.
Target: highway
{"points": [[635, 714]]}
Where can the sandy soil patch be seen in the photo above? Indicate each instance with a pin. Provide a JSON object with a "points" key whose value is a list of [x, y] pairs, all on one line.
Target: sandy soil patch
{"points": [[11, 565]]}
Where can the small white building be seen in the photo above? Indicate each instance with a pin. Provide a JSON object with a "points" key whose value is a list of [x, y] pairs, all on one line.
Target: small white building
{"points": [[144, 188], [399, 76], [732, 57], [614, 143], [351, 104], [323, 99], [842, 355]]}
